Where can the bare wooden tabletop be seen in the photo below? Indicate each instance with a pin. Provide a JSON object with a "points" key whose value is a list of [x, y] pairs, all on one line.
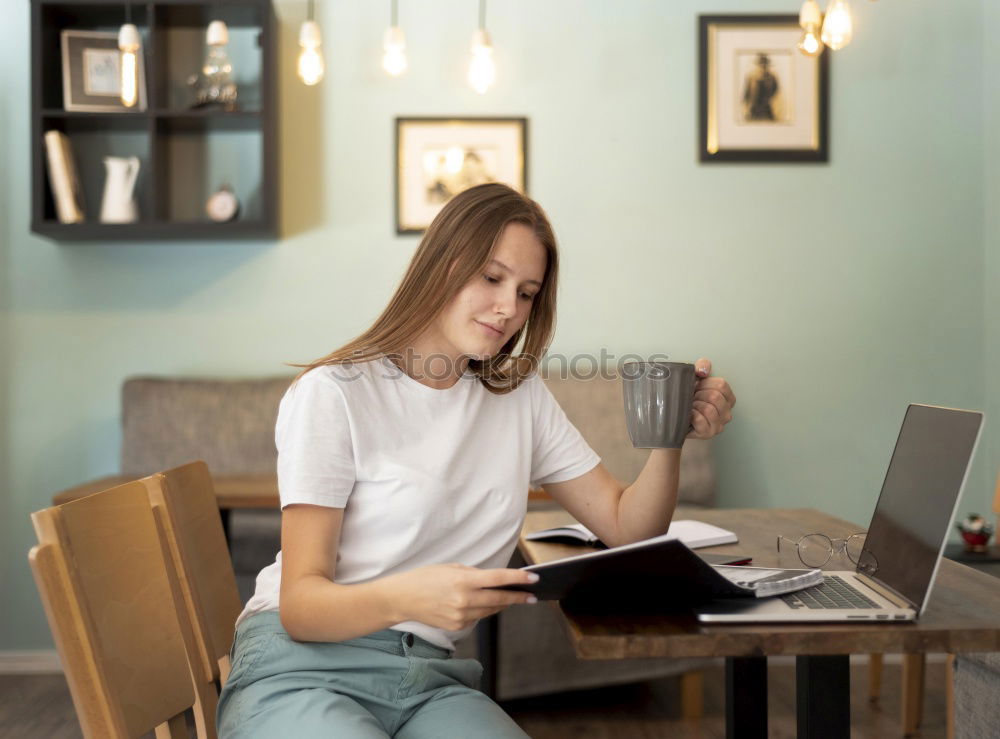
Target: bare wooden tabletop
{"points": [[244, 491], [232, 491], [963, 614]]}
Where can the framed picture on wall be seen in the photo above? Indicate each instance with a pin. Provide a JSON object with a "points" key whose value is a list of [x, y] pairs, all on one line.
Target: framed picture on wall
{"points": [[91, 72], [437, 158], [760, 98]]}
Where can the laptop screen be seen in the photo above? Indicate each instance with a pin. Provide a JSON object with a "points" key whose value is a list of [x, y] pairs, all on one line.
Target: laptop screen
{"points": [[918, 498]]}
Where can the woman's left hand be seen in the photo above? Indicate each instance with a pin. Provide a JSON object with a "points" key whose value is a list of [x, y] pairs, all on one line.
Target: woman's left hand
{"points": [[713, 403]]}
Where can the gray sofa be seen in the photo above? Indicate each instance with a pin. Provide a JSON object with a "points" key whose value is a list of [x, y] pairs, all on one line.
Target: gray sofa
{"points": [[229, 423], [977, 690]]}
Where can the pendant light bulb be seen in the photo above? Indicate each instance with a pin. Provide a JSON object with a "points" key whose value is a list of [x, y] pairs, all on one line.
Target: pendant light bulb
{"points": [[129, 42], [311, 66], [482, 69], [810, 43], [810, 18], [810, 14], [394, 46], [837, 26]]}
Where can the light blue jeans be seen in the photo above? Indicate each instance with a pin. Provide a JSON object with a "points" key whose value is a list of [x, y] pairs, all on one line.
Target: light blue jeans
{"points": [[387, 684]]}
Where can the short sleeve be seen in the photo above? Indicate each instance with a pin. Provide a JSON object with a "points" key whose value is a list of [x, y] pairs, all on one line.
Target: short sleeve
{"points": [[558, 450], [313, 436]]}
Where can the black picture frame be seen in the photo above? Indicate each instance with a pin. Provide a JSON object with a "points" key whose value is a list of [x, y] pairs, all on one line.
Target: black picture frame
{"points": [[800, 133], [503, 142]]}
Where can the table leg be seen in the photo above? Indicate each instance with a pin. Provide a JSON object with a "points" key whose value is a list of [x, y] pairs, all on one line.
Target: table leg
{"points": [[823, 696], [487, 638], [746, 697], [913, 692], [874, 676]]}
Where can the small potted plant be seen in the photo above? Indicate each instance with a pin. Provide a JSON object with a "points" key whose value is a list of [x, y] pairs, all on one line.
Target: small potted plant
{"points": [[976, 532]]}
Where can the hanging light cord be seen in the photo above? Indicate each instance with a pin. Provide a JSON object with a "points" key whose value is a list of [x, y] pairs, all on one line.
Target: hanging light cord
{"points": [[394, 13], [128, 12], [309, 10], [482, 14]]}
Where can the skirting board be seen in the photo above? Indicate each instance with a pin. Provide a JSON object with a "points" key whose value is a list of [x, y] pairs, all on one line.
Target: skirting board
{"points": [[38, 662]]}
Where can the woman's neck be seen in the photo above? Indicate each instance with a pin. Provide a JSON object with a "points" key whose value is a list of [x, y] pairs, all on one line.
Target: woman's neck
{"points": [[429, 364]]}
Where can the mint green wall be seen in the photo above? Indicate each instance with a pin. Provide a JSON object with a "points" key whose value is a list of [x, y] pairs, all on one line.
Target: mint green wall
{"points": [[991, 242], [830, 296], [8, 570]]}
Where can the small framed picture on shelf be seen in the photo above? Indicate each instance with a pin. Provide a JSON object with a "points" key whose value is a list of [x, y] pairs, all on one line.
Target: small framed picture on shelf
{"points": [[91, 72], [437, 158], [761, 99]]}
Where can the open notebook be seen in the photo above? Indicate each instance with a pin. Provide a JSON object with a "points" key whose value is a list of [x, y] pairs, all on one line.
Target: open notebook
{"points": [[694, 534], [658, 570]]}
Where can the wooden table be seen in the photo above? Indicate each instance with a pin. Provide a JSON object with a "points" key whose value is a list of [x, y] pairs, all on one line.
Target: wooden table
{"points": [[245, 491], [232, 492], [963, 615]]}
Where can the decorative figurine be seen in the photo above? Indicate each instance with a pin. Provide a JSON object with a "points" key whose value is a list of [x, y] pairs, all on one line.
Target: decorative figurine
{"points": [[214, 84], [976, 532], [118, 204]]}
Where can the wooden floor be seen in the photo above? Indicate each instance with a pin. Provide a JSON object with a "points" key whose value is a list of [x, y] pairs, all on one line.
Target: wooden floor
{"points": [[39, 706]]}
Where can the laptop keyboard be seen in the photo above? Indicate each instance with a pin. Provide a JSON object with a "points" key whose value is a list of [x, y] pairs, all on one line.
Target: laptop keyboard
{"points": [[835, 592]]}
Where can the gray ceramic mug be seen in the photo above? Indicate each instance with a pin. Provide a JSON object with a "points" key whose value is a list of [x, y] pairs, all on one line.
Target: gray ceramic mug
{"points": [[658, 398]]}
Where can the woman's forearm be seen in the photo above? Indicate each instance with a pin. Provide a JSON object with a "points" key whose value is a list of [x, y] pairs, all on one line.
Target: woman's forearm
{"points": [[647, 505], [316, 609]]}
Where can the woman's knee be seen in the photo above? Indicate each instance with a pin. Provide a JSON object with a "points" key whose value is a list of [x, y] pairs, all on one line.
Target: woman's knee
{"points": [[460, 712], [307, 713]]}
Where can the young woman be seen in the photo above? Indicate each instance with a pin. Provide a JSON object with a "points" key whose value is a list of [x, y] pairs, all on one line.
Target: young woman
{"points": [[404, 461]]}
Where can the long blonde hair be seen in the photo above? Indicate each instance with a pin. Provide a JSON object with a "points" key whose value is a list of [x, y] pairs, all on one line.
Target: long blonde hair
{"points": [[456, 247]]}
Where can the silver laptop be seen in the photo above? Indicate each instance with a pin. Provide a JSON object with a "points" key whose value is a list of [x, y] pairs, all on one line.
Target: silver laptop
{"points": [[897, 565]]}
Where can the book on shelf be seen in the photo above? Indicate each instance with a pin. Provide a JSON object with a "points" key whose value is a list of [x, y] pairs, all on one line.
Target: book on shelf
{"points": [[63, 179], [694, 534], [661, 571]]}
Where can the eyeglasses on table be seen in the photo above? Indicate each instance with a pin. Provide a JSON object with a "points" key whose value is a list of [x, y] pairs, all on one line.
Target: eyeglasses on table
{"points": [[815, 550]]}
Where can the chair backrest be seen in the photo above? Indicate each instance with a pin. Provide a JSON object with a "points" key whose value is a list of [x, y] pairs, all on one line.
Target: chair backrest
{"points": [[197, 545], [103, 579]]}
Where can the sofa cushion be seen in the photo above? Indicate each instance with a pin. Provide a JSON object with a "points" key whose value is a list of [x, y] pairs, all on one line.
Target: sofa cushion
{"points": [[977, 685], [229, 424]]}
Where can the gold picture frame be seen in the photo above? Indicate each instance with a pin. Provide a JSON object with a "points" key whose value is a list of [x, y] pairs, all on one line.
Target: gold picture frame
{"points": [[436, 158]]}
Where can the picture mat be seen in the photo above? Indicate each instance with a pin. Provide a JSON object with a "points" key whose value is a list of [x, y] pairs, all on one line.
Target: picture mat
{"points": [[72, 44], [501, 144], [727, 130]]}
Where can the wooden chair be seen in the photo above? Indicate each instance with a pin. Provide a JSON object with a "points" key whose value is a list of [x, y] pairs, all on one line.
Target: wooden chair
{"points": [[104, 583], [185, 506]]}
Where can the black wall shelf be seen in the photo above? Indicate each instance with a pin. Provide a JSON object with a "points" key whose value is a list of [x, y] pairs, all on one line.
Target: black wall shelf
{"points": [[185, 153]]}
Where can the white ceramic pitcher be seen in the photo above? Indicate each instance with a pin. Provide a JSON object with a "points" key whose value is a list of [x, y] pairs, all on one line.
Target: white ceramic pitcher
{"points": [[118, 205]]}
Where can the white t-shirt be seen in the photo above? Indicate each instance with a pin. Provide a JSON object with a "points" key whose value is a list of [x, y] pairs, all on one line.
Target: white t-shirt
{"points": [[425, 476]]}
